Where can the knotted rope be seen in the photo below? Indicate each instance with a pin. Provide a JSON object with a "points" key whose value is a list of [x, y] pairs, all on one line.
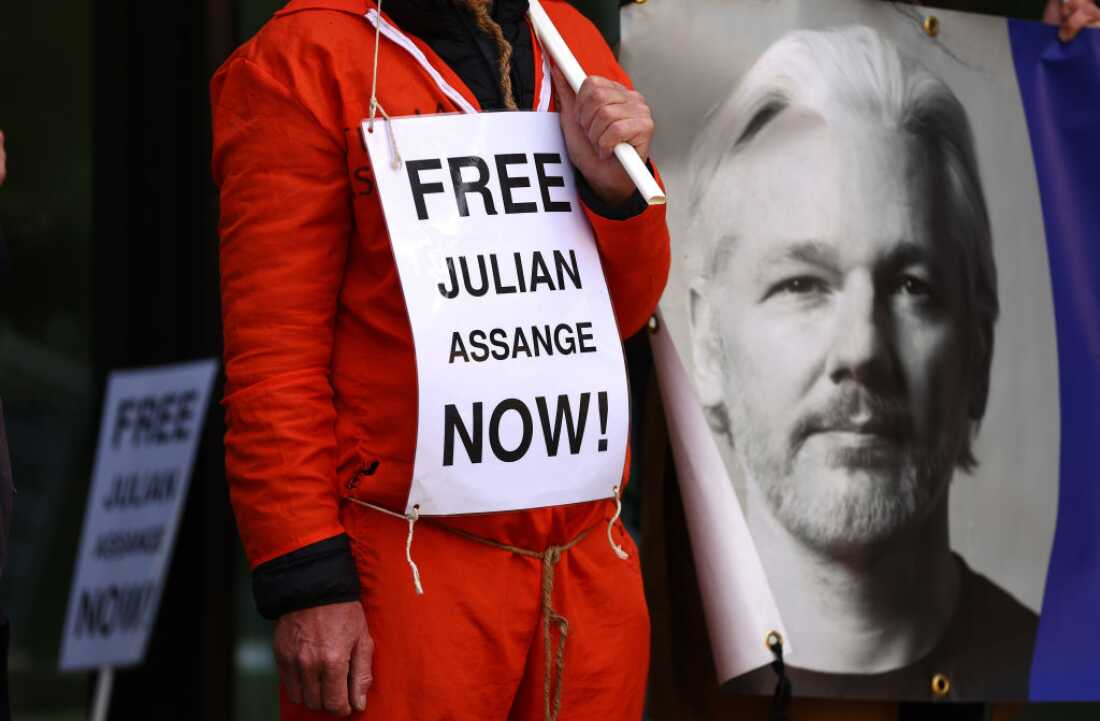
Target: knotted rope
{"points": [[480, 10], [550, 617], [554, 656]]}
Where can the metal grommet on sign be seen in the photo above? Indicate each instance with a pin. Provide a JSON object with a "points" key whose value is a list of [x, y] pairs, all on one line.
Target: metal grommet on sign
{"points": [[941, 685], [932, 26], [773, 640], [654, 325]]}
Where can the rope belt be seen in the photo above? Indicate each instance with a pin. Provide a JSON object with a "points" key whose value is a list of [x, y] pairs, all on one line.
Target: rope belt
{"points": [[550, 617], [554, 657]]}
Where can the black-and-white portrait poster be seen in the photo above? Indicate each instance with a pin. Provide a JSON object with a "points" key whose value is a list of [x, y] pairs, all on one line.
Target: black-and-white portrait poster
{"points": [[860, 317]]}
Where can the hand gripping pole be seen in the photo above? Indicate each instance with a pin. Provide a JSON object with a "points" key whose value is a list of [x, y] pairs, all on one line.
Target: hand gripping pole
{"points": [[553, 43]]}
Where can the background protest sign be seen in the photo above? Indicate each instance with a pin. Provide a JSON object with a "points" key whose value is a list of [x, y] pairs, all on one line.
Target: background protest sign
{"points": [[150, 430], [1029, 103], [521, 378]]}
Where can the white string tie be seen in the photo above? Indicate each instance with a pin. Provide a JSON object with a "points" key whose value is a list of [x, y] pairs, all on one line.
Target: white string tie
{"points": [[618, 512], [413, 518], [374, 73], [395, 154], [375, 106]]}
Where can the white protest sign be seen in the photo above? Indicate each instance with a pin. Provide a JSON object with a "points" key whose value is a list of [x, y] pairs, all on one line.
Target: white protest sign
{"points": [[149, 433], [522, 385]]}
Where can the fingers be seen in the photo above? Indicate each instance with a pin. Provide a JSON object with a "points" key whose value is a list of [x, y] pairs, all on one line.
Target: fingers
{"points": [[315, 648], [599, 116], [292, 680], [319, 683], [360, 675], [1068, 7], [603, 119], [595, 94], [1076, 16], [567, 99], [299, 671], [310, 671], [334, 684], [601, 102], [1052, 12], [633, 130], [610, 113]]}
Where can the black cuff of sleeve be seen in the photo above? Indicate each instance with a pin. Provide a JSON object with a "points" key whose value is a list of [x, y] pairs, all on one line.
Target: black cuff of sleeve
{"points": [[318, 574], [633, 206]]}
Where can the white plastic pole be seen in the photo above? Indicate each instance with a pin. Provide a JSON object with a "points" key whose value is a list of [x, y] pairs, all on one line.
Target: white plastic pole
{"points": [[102, 700], [574, 74]]}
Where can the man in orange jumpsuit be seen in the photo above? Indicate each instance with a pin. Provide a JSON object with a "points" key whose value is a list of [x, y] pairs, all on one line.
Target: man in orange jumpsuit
{"points": [[321, 395]]}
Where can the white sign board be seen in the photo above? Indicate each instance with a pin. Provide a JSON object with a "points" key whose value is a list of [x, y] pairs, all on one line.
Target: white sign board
{"points": [[149, 433], [522, 385]]}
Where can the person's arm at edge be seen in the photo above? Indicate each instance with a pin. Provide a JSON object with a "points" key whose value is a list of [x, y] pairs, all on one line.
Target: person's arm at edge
{"points": [[284, 230], [1071, 16]]}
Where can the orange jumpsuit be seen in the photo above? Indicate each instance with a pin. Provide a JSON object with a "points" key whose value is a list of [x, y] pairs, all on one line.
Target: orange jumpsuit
{"points": [[321, 396]]}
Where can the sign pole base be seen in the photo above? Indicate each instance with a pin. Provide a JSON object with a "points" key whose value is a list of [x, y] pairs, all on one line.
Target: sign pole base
{"points": [[102, 700]]}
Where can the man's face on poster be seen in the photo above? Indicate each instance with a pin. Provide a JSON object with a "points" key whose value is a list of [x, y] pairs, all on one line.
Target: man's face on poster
{"points": [[832, 327]]}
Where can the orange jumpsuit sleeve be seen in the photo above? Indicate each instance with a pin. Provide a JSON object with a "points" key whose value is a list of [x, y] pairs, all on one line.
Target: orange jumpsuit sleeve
{"points": [[285, 227], [635, 257]]}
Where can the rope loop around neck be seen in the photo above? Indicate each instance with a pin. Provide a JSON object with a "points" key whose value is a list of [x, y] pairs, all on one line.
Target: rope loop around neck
{"points": [[480, 11]]}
